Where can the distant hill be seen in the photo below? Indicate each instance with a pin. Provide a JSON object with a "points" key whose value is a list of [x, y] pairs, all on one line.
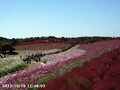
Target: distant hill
{"points": [[44, 41]]}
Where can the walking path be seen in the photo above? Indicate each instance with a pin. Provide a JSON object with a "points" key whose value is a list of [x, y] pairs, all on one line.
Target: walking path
{"points": [[35, 64]]}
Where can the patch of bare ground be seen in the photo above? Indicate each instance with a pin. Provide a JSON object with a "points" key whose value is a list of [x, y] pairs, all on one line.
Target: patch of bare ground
{"points": [[35, 64]]}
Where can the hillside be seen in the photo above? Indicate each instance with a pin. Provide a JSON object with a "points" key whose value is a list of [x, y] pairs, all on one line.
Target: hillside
{"points": [[102, 73], [44, 75], [43, 45]]}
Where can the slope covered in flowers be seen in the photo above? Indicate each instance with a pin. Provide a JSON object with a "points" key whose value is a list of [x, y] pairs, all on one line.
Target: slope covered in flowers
{"points": [[63, 56], [41, 42], [43, 45], [101, 73], [43, 75]]}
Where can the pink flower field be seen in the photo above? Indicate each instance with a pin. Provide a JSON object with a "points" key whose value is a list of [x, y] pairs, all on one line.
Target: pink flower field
{"points": [[64, 56], [61, 63]]}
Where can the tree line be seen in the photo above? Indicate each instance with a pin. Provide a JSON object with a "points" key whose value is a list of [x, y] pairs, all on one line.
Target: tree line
{"points": [[15, 41]]}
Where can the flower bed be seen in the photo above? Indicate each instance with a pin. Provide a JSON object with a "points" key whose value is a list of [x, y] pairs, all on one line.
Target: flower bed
{"points": [[63, 56], [101, 73], [43, 46], [43, 75], [43, 42]]}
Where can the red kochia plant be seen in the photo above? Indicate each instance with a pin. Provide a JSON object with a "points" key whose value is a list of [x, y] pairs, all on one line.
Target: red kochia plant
{"points": [[80, 82], [69, 82], [41, 42], [104, 85], [102, 73], [112, 54]]}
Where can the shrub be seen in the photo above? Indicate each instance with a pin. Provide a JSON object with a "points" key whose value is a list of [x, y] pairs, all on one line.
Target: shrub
{"points": [[102, 73], [80, 82], [9, 65]]}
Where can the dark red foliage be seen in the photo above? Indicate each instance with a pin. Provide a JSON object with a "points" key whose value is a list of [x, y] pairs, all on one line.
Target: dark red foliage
{"points": [[102, 73], [104, 85], [40, 42], [113, 55]]}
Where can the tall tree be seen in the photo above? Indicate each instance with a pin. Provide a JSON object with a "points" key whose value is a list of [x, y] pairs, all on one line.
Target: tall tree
{"points": [[6, 49]]}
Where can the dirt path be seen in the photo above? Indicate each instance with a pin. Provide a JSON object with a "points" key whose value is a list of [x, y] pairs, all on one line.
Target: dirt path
{"points": [[35, 64]]}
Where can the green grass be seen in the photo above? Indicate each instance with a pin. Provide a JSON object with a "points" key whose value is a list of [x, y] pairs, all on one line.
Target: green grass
{"points": [[10, 65]]}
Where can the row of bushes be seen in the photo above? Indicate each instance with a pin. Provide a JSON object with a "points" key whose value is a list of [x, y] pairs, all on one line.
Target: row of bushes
{"points": [[102, 73], [9, 65]]}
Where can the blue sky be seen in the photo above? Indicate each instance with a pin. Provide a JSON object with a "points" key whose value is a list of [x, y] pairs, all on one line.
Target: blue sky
{"points": [[68, 18]]}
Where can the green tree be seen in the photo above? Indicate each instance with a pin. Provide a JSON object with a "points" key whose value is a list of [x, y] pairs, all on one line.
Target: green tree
{"points": [[6, 49], [14, 41]]}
